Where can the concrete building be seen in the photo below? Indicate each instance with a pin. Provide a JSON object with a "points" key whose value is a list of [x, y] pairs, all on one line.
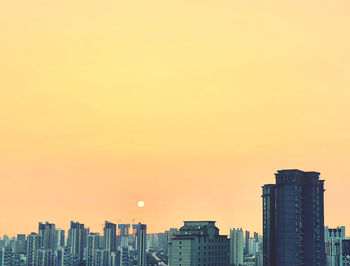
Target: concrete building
{"points": [[101, 257], [33, 246], [21, 244], [60, 238], [331, 233], [114, 258], [338, 252], [18, 260], [199, 243], [125, 257], [64, 257], [170, 233], [337, 246], [141, 235], [48, 235], [246, 242], [93, 240], [256, 236], [77, 235], [5, 256], [46, 257], [293, 219], [236, 247], [259, 259], [110, 236]]}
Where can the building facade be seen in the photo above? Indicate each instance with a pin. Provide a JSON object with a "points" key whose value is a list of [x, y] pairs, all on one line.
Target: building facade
{"points": [[293, 219], [77, 235], [198, 243], [141, 235], [48, 235], [236, 247], [337, 246], [110, 236], [33, 246]]}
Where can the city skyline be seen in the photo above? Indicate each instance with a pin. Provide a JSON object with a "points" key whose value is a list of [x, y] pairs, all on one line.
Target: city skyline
{"points": [[100, 227], [190, 106]]}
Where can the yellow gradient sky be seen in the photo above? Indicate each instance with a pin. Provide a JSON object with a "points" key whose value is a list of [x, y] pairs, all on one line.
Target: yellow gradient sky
{"points": [[189, 105]]}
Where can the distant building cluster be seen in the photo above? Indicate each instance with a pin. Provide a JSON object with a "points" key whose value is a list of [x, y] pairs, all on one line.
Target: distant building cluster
{"points": [[293, 234], [52, 247]]}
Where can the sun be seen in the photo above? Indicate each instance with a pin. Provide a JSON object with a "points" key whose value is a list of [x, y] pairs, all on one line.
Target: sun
{"points": [[140, 204]]}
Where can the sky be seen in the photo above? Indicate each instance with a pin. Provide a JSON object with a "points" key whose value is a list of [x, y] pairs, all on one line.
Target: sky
{"points": [[188, 105]]}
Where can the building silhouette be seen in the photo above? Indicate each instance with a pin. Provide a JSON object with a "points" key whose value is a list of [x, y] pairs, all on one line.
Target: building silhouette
{"points": [[293, 219], [48, 236], [110, 236], [93, 240], [247, 247], [33, 246], [60, 238], [141, 244], [76, 241]]}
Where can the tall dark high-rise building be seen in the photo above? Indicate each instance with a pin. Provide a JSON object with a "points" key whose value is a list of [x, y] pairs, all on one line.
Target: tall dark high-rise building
{"points": [[141, 244], [33, 245], [256, 236], [48, 236], [293, 219], [246, 246], [110, 236], [269, 225], [60, 238], [92, 246], [77, 235]]}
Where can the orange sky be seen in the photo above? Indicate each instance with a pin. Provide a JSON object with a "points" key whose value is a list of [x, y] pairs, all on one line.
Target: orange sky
{"points": [[189, 105]]}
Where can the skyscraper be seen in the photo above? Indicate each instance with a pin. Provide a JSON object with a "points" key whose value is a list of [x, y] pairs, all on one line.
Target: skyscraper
{"points": [[76, 241], [110, 236], [236, 247], [256, 236], [48, 235], [33, 245], [141, 244], [93, 240], [199, 243], [293, 219], [60, 238], [247, 237]]}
